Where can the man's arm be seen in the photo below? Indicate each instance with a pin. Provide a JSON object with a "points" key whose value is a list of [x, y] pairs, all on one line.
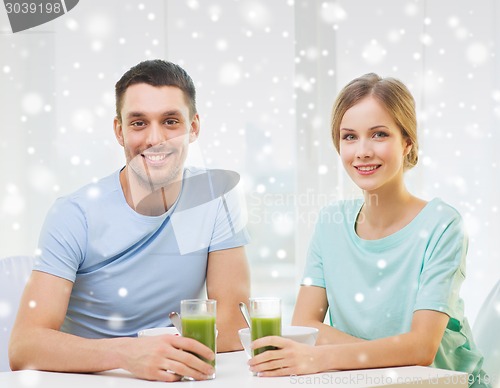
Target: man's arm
{"points": [[37, 343], [228, 281]]}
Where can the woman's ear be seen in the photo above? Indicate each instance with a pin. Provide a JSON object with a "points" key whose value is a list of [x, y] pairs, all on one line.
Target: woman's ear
{"points": [[408, 146], [117, 126]]}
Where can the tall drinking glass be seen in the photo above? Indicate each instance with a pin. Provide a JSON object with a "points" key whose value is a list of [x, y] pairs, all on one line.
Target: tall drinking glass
{"points": [[198, 322], [265, 314]]}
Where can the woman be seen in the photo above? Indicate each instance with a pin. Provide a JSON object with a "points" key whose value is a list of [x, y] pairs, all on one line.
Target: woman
{"points": [[388, 266]]}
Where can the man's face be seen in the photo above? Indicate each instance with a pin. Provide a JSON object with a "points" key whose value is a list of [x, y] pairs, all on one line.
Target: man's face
{"points": [[155, 131]]}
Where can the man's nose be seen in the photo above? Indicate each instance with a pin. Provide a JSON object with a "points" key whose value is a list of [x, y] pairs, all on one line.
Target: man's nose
{"points": [[156, 134]]}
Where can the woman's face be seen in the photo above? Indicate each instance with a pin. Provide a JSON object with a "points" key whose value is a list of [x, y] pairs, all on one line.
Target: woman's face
{"points": [[372, 147]]}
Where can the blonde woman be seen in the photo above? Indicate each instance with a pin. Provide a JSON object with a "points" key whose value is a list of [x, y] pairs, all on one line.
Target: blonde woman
{"points": [[387, 267]]}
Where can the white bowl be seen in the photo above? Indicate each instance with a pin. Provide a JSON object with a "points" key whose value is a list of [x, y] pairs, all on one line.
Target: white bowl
{"points": [[303, 334], [158, 331]]}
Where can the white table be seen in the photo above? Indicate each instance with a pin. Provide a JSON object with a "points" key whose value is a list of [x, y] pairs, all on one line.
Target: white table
{"points": [[232, 372]]}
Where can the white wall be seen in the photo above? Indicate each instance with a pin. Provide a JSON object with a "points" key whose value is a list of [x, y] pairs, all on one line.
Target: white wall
{"points": [[267, 73]]}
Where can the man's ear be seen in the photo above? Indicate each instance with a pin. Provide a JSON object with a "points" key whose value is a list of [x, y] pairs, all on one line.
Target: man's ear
{"points": [[117, 126], [195, 128]]}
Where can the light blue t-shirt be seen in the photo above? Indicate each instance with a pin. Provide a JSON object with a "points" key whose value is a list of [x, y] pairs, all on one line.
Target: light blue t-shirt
{"points": [[374, 286], [129, 270]]}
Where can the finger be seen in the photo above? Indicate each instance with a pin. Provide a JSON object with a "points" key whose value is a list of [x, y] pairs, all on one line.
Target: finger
{"points": [[275, 341], [269, 366], [170, 376], [266, 356], [160, 374], [193, 346], [178, 369], [187, 360], [276, 373]]}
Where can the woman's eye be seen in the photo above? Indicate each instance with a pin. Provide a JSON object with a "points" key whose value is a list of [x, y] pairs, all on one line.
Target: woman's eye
{"points": [[348, 137], [380, 134]]}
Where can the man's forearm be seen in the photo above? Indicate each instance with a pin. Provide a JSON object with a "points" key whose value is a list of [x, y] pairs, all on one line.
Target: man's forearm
{"points": [[47, 349], [229, 322]]}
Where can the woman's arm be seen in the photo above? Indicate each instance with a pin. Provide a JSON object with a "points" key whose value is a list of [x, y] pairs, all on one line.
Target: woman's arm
{"points": [[310, 310], [417, 347]]}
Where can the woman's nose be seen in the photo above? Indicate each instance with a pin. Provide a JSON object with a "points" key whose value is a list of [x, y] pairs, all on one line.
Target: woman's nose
{"points": [[364, 150]]}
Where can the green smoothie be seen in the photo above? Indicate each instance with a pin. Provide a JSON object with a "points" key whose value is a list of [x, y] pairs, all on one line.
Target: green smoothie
{"points": [[264, 327], [202, 329]]}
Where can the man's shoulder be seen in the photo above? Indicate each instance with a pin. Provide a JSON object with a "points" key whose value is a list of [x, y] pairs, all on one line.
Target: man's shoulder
{"points": [[92, 191]]}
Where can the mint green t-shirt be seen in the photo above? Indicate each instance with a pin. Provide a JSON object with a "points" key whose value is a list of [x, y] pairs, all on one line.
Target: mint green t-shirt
{"points": [[374, 286]]}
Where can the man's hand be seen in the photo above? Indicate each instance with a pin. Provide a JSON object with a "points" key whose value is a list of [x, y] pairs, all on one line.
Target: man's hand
{"points": [[167, 358]]}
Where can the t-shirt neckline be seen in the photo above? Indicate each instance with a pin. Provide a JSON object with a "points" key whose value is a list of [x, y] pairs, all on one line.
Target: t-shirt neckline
{"points": [[408, 231], [143, 217]]}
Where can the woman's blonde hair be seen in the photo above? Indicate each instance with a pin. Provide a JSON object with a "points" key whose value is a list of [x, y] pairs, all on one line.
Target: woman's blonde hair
{"points": [[393, 95]]}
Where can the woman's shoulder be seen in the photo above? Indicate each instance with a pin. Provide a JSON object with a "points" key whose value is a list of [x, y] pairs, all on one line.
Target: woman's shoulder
{"points": [[442, 210], [439, 217]]}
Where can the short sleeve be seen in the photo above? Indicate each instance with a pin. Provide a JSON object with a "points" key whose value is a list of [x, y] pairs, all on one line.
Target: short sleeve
{"points": [[63, 240], [444, 268], [313, 273], [230, 222]]}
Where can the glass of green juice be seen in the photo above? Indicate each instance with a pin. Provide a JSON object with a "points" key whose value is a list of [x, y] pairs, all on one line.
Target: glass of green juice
{"points": [[198, 322], [265, 315]]}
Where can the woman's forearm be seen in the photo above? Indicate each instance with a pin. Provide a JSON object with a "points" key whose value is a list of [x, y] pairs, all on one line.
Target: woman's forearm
{"points": [[405, 349], [327, 334]]}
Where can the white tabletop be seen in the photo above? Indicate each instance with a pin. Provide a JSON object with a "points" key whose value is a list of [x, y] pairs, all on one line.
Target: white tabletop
{"points": [[232, 371]]}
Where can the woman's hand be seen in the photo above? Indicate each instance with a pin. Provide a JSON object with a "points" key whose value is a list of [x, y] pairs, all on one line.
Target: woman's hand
{"points": [[291, 358]]}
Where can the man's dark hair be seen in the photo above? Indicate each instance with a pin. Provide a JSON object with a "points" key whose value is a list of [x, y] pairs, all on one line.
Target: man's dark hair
{"points": [[157, 72]]}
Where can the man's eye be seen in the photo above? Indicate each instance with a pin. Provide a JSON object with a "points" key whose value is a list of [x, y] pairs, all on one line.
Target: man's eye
{"points": [[137, 124], [171, 122]]}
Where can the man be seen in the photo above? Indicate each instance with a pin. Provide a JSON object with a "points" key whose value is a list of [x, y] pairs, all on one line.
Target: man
{"points": [[117, 256]]}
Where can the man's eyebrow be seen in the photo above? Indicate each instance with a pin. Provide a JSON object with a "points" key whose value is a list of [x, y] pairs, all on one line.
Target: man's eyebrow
{"points": [[135, 114], [173, 112]]}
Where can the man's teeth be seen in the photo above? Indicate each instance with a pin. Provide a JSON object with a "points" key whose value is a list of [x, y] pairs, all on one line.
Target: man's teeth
{"points": [[156, 158], [371, 168]]}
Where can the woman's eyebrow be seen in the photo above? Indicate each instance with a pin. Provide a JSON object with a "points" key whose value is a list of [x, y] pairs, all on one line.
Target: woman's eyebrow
{"points": [[370, 129]]}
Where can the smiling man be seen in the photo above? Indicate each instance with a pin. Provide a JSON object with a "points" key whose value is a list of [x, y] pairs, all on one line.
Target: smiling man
{"points": [[155, 125], [117, 256]]}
